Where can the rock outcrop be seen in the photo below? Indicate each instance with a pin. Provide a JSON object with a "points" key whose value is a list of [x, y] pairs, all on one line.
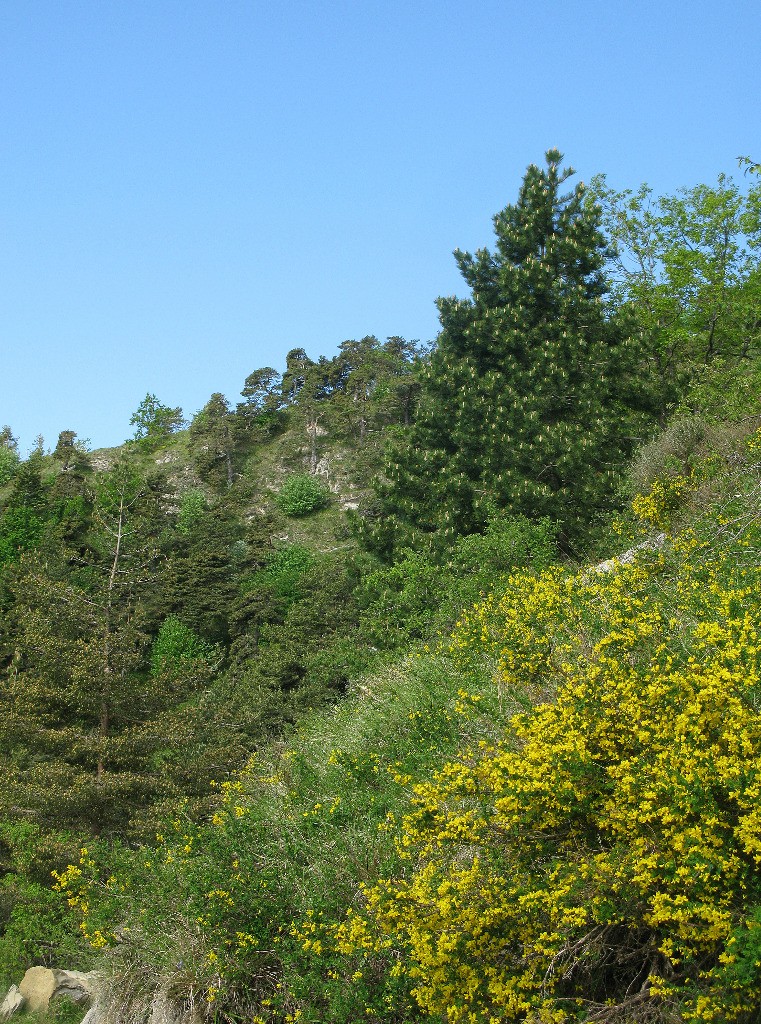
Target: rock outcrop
{"points": [[12, 1003], [41, 984]]}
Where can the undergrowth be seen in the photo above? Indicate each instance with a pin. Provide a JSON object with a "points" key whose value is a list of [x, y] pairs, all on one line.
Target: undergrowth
{"points": [[551, 815]]}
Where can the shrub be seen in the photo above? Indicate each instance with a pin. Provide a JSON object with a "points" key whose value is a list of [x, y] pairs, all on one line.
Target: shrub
{"points": [[301, 495], [671, 453], [193, 506], [602, 860], [176, 644], [233, 912], [285, 568]]}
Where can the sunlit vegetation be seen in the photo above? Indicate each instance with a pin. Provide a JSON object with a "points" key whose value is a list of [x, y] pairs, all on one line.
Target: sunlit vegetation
{"points": [[323, 709]]}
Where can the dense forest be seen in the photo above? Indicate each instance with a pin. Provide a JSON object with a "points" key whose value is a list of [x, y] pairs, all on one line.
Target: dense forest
{"points": [[336, 704]]}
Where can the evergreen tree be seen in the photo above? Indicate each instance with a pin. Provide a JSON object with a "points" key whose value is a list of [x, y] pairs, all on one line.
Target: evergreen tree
{"points": [[262, 399], [528, 401], [9, 457], [73, 455], [155, 422], [402, 386], [359, 367], [76, 691], [307, 386], [214, 438], [22, 523]]}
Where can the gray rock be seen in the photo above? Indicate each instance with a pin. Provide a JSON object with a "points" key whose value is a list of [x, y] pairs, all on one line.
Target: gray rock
{"points": [[76, 986], [654, 543], [12, 1003], [41, 984], [94, 1015]]}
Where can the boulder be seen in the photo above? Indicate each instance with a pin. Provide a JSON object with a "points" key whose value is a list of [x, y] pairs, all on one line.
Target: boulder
{"points": [[654, 543], [75, 986], [12, 1003], [41, 984]]}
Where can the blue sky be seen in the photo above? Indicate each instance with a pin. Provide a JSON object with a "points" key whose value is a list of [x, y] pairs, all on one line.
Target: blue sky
{"points": [[190, 188]]}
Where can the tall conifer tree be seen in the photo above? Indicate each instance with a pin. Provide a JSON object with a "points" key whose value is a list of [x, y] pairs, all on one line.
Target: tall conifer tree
{"points": [[529, 400]]}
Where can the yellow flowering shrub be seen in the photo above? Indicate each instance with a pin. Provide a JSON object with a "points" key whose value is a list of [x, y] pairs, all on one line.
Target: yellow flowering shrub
{"points": [[603, 861]]}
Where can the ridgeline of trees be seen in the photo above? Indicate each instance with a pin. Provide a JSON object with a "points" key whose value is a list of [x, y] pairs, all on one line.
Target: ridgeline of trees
{"points": [[230, 648]]}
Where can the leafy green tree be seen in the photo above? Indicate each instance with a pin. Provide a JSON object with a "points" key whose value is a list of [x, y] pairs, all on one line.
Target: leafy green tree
{"points": [[22, 523], [284, 568], [687, 270], [193, 507], [154, 422], [529, 404], [20, 530], [176, 645]]}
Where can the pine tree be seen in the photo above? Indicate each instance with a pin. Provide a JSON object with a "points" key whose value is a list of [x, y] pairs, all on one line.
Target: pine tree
{"points": [[79, 704], [528, 401], [262, 400], [214, 436], [9, 457]]}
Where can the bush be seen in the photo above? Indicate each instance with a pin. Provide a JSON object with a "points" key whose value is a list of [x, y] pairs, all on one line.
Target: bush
{"points": [[193, 507], [601, 861], [280, 858], [672, 453], [284, 569], [301, 495], [176, 644]]}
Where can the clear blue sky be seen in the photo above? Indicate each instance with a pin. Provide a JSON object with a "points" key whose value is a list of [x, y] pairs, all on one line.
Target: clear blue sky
{"points": [[190, 188]]}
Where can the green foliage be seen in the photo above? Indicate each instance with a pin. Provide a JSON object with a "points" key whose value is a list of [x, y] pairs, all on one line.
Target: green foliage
{"points": [[36, 926], [301, 495], [284, 569], [601, 859], [154, 423], [193, 508], [282, 853], [671, 453], [214, 435], [725, 392], [20, 530], [416, 598], [262, 401], [9, 461], [687, 270], [9, 457], [176, 644], [529, 401], [145, 653]]}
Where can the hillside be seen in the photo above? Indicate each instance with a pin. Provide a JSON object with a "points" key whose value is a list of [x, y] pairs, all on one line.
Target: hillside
{"points": [[337, 704], [565, 785]]}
